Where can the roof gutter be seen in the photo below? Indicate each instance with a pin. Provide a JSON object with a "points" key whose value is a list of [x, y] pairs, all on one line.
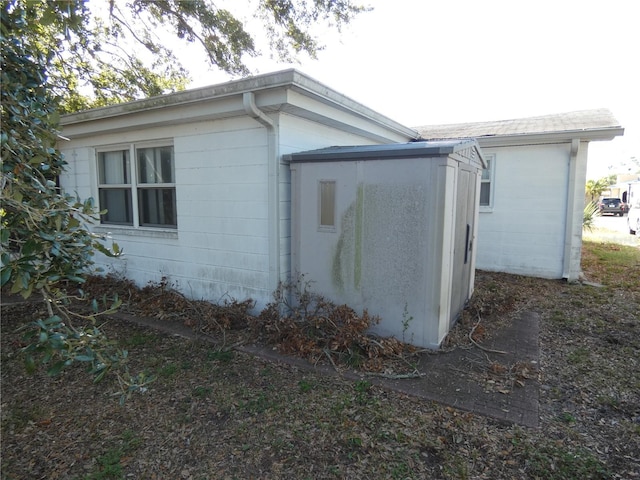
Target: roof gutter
{"points": [[538, 138], [273, 188]]}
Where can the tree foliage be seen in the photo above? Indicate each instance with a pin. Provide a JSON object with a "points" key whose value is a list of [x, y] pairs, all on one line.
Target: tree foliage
{"points": [[59, 56], [45, 241], [102, 53], [594, 188], [44, 238]]}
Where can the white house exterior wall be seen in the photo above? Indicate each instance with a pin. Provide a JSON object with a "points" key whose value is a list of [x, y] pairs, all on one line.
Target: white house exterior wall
{"points": [[221, 245], [523, 232]]}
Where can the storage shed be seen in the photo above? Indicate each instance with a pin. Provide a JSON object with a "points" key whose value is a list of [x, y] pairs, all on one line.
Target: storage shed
{"points": [[390, 229]]}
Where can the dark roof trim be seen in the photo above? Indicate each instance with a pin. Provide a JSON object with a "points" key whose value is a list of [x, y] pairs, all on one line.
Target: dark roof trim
{"points": [[387, 151]]}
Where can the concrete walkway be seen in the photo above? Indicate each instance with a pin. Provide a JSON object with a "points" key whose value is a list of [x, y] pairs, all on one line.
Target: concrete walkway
{"points": [[503, 386], [471, 379]]}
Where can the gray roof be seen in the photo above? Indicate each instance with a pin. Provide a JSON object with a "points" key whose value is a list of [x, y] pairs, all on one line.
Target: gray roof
{"points": [[386, 151], [271, 92], [579, 121]]}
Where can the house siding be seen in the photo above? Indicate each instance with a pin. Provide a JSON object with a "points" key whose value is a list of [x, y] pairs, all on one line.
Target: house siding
{"points": [[221, 245], [524, 232]]}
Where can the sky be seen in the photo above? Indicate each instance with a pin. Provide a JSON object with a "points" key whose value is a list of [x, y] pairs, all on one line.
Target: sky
{"points": [[424, 62]]}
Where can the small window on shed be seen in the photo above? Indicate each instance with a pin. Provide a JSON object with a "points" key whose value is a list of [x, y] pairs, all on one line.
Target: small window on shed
{"points": [[327, 204]]}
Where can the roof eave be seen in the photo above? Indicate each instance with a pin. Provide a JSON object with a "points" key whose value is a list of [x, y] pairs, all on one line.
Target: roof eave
{"points": [[286, 79], [385, 152], [588, 135]]}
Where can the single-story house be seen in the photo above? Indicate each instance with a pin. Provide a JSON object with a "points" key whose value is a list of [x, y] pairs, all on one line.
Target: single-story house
{"points": [[532, 198], [195, 184], [197, 188]]}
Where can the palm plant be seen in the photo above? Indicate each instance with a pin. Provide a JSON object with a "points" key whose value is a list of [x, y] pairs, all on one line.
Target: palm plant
{"points": [[591, 211]]}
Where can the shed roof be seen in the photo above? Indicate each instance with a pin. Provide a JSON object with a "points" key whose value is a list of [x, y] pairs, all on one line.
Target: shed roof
{"points": [[386, 151], [599, 124]]}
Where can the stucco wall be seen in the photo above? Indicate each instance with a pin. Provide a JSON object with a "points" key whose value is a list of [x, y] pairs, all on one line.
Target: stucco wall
{"points": [[524, 231]]}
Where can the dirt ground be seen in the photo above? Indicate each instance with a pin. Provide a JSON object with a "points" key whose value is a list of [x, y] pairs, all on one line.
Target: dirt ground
{"points": [[220, 412]]}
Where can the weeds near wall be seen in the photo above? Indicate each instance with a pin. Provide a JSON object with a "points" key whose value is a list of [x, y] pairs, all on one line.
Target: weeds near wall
{"points": [[163, 300], [303, 323], [298, 322], [406, 322]]}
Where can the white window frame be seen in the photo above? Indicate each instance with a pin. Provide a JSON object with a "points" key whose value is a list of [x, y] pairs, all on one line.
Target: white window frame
{"points": [[135, 185], [490, 180]]}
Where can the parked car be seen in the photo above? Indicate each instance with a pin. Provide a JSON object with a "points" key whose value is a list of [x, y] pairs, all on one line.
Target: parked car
{"points": [[612, 205]]}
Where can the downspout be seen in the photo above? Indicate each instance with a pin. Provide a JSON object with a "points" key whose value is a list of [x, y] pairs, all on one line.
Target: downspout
{"points": [[573, 225], [273, 186]]}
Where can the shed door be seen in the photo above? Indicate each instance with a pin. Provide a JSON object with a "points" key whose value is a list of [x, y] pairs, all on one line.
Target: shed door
{"points": [[462, 265]]}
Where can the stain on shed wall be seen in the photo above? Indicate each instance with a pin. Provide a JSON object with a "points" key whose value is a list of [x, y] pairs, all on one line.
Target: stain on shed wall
{"points": [[379, 252]]}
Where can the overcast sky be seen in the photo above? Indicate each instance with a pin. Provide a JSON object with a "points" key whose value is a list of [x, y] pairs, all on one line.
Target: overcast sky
{"points": [[448, 61]]}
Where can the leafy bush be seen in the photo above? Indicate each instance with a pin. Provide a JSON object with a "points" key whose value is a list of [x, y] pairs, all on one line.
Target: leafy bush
{"points": [[46, 245]]}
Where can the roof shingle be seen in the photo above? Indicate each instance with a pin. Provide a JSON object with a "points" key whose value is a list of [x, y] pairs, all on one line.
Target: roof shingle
{"points": [[582, 120]]}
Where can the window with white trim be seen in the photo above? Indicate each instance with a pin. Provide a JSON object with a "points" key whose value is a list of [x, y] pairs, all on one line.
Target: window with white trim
{"points": [[140, 193], [486, 184]]}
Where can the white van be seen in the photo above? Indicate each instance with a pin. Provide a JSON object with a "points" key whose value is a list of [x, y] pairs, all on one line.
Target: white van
{"points": [[633, 200]]}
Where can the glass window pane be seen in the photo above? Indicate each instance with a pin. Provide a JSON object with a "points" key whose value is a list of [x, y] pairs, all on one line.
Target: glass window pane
{"points": [[485, 193], [157, 207], [486, 172], [117, 202], [155, 165], [327, 204], [113, 167]]}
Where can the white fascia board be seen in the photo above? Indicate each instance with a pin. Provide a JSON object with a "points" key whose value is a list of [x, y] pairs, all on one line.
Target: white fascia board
{"points": [[358, 121], [309, 87], [604, 134], [225, 101], [175, 115], [187, 97]]}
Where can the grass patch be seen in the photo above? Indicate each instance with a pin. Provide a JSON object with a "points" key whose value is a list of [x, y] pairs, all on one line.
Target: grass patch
{"points": [[551, 461], [138, 339], [227, 414], [201, 392], [305, 385], [612, 264], [223, 356], [110, 463], [168, 370], [579, 356]]}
